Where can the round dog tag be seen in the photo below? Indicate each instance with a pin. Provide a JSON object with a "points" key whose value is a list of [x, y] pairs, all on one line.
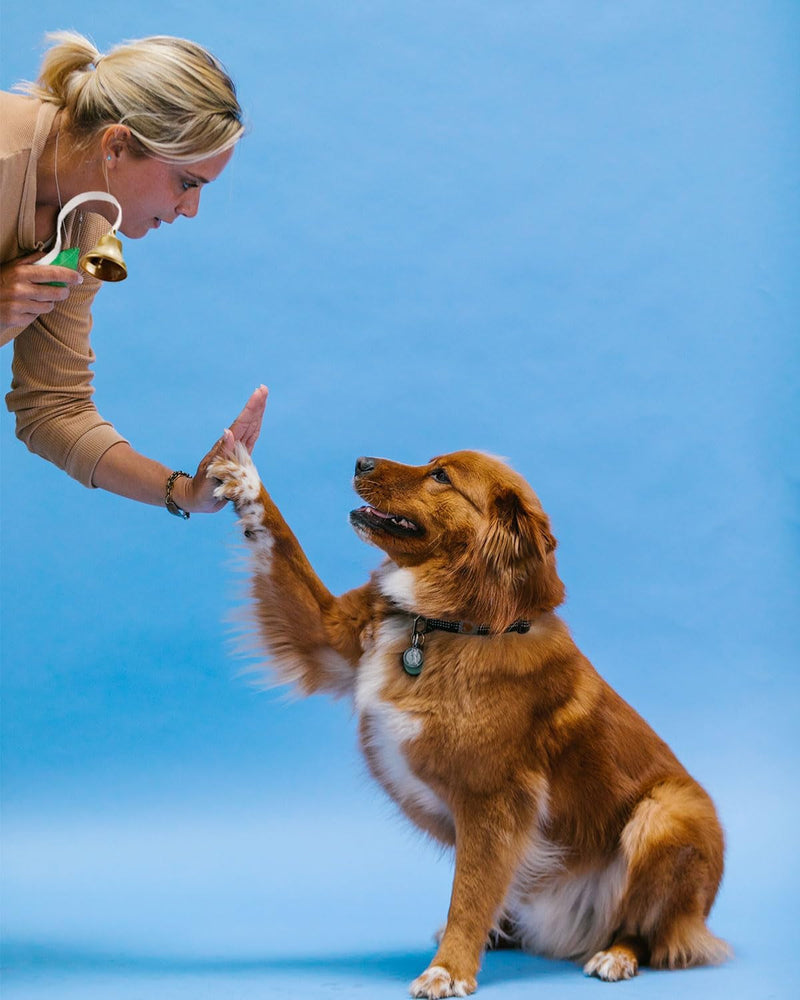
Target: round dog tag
{"points": [[413, 660]]}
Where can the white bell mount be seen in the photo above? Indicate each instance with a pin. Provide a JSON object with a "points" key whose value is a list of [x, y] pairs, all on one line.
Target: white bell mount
{"points": [[105, 260]]}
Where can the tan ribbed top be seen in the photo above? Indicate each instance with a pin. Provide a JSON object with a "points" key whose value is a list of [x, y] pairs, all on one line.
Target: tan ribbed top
{"points": [[51, 389]]}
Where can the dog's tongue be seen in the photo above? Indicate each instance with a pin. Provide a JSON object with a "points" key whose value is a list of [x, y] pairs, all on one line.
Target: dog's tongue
{"points": [[377, 513], [395, 518]]}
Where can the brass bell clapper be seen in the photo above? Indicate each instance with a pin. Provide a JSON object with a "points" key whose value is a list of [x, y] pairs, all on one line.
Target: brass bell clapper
{"points": [[103, 261]]}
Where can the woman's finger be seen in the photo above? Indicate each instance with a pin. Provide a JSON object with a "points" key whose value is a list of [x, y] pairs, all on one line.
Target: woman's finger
{"points": [[247, 426], [43, 274]]}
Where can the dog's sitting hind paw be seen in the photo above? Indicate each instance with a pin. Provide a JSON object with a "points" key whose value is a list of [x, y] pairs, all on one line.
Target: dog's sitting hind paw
{"points": [[613, 965]]}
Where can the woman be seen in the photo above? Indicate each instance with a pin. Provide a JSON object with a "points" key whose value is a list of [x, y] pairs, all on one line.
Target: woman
{"points": [[151, 122]]}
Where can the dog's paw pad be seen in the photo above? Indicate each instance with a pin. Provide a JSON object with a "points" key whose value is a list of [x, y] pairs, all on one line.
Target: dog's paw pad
{"points": [[238, 478], [613, 965], [437, 982]]}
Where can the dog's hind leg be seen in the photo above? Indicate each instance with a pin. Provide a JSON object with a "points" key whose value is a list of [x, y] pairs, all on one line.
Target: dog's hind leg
{"points": [[673, 846], [312, 636]]}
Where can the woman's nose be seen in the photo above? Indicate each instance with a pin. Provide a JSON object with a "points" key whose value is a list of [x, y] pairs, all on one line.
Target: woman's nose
{"points": [[189, 204]]}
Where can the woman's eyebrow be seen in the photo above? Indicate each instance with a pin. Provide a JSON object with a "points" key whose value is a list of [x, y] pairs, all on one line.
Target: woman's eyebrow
{"points": [[197, 177]]}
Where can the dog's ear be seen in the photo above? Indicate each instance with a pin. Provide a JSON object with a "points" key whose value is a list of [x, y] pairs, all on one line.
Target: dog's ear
{"points": [[522, 529], [511, 564]]}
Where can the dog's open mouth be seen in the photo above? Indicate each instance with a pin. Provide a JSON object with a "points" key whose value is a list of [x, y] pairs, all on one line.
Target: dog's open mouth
{"points": [[369, 517]]}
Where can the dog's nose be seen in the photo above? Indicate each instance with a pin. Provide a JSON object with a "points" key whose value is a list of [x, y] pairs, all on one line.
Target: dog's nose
{"points": [[364, 465]]}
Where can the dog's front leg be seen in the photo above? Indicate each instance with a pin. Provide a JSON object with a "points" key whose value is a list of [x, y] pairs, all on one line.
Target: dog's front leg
{"points": [[488, 844], [312, 636]]}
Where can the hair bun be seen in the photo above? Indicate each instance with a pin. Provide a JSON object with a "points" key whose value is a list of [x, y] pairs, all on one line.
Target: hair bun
{"points": [[174, 96]]}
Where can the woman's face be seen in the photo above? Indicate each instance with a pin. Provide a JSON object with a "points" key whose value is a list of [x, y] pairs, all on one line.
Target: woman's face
{"points": [[151, 191]]}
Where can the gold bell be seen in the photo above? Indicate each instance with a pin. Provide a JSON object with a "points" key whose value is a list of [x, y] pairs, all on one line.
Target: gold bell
{"points": [[105, 261]]}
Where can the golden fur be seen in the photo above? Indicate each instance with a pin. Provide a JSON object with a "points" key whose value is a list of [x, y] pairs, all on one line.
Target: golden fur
{"points": [[577, 832]]}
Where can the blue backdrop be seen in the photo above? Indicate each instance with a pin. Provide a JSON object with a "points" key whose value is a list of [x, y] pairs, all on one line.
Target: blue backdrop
{"points": [[564, 232]]}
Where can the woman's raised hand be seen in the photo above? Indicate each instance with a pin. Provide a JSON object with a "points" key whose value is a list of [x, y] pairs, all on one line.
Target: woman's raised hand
{"points": [[245, 430]]}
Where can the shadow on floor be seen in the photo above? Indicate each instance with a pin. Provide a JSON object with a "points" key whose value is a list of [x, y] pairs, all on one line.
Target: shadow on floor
{"points": [[21, 957]]}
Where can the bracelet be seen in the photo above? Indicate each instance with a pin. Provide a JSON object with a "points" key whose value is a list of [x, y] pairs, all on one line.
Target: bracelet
{"points": [[169, 503]]}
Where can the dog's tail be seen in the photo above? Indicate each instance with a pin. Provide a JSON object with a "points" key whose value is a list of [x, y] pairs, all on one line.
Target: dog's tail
{"points": [[689, 942]]}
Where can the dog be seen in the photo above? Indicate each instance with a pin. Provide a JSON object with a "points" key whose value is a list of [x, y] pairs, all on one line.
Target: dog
{"points": [[577, 832]]}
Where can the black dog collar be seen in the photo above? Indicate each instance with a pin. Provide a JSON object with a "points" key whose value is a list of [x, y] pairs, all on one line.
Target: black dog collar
{"points": [[413, 658]]}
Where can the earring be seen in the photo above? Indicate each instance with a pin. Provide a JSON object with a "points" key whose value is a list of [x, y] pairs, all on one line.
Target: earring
{"points": [[108, 157]]}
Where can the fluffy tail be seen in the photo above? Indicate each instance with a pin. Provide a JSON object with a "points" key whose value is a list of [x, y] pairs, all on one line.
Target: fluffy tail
{"points": [[689, 942]]}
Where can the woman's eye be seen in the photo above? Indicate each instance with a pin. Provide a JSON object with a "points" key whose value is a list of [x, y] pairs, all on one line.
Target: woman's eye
{"points": [[440, 476], [188, 185]]}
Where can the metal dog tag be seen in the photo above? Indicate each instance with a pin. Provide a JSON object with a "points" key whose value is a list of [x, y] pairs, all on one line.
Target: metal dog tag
{"points": [[413, 660], [412, 657]]}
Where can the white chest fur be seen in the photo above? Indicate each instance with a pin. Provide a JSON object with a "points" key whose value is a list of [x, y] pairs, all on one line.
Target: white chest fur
{"points": [[555, 912], [390, 730]]}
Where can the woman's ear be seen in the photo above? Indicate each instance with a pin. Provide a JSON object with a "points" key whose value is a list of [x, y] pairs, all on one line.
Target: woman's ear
{"points": [[115, 140]]}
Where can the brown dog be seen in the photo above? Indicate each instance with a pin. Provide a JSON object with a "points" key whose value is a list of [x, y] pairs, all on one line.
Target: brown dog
{"points": [[577, 832]]}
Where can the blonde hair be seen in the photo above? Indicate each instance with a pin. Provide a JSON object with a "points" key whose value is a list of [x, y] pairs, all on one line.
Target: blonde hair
{"points": [[175, 97]]}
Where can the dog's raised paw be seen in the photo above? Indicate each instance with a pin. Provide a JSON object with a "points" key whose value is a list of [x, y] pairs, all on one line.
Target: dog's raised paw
{"points": [[611, 966], [239, 482], [238, 478], [436, 982]]}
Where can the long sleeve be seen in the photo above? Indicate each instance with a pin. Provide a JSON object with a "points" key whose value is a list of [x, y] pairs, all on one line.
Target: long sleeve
{"points": [[51, 391]]}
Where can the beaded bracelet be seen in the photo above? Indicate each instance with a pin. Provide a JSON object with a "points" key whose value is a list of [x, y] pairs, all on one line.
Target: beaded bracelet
{"points": [[169, 503]]}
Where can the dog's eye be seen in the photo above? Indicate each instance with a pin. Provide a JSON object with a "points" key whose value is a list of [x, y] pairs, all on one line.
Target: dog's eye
{"points": [[440, 476]]}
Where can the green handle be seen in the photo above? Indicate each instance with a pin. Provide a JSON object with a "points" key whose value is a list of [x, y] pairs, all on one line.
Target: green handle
{"points": [[67, 258]]}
